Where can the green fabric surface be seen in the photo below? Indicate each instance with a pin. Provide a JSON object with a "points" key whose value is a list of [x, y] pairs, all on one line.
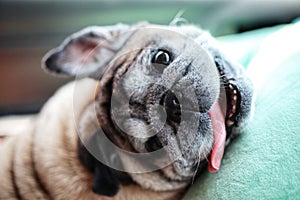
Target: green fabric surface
{"points": [[243, 47], [264, 161]]}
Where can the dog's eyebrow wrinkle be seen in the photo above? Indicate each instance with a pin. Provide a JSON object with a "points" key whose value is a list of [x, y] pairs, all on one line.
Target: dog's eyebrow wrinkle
{"points": [[105, 119], [119, 74], [183, 74], [187, 69]]}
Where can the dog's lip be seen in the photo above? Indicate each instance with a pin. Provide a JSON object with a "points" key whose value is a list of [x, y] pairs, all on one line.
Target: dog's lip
{"points": [[233, 97]]}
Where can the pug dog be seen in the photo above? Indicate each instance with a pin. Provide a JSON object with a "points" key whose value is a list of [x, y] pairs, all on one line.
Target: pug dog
{"points": [[150, 107]]}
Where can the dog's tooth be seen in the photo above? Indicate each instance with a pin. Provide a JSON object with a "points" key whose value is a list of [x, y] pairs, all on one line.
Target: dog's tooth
{"points": [[230, 86], [233, 107], [230, 115], [234, 92], [229, 122], [234, 97]]}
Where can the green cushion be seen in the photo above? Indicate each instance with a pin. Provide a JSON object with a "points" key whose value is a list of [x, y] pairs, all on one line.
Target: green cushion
{"points": [[242, 47], [264, 162]]}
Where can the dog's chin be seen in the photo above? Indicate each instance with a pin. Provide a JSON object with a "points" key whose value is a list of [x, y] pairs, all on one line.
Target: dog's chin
{"points": [[175, 173]]}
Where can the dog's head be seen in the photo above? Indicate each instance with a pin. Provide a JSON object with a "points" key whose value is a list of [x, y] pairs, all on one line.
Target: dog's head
{"points": [[160, 87]]}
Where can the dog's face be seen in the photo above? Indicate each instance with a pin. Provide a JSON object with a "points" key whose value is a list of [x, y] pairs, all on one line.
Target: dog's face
{"points": [[160, 87]]}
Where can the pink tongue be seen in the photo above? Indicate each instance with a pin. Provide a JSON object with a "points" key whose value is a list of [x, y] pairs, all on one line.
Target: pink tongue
{"points": [[219, 133]]}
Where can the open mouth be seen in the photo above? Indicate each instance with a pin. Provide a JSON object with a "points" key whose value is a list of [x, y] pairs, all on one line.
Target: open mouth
{"points": [[222, 125], [233, 101]]}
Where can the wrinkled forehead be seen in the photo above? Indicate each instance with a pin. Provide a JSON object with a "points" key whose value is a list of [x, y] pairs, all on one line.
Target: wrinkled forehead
{"points": [[172, 38]]}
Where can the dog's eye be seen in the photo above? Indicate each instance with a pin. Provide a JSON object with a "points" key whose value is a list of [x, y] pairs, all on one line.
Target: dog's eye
{"points": [[161, 59]]}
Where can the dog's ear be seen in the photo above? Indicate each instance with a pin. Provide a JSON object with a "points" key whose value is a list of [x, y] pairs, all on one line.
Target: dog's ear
{"points": [[105, 181], [86, 52], [105, 178]]}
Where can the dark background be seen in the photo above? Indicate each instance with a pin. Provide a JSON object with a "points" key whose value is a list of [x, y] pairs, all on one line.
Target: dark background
{"points": [[28, 29]]}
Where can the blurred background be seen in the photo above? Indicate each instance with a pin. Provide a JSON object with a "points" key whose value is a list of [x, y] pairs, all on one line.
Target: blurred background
{"points": [[28, 29]]}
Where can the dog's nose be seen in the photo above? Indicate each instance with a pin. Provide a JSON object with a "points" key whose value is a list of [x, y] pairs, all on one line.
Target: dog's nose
{"points": [[172, 107]]}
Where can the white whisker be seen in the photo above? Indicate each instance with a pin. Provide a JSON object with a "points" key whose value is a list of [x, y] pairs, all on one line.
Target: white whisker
{"points": [[198, 164], [178, 19]]}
